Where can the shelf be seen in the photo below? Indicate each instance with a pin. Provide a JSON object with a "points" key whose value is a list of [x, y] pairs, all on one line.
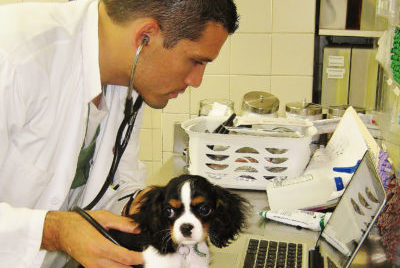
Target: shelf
{"points": [[356, 33]]}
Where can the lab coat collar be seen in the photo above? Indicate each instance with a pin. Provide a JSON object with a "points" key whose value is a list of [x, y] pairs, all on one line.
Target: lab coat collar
{"points": [[90, 53]]}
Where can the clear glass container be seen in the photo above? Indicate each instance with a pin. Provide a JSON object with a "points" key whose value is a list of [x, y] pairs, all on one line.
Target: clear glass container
{"points": [[218, 107], [260, 103]]}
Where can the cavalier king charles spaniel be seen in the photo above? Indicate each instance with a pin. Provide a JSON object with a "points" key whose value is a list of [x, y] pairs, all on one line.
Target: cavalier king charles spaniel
{"points": [[179, 219]]}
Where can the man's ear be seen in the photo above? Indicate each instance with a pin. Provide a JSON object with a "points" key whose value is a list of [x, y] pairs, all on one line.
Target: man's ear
{"points": [[147, 29]]}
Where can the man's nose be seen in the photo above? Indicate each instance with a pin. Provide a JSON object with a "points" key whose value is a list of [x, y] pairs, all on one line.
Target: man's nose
{"points": [[195, 77]]}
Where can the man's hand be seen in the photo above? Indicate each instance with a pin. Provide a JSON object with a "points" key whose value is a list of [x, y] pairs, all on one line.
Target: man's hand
{"points": [[69, 232]]}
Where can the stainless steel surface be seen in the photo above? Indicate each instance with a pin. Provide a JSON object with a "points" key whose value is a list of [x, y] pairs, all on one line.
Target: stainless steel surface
{"points": [[260, 102], [335, 111], [176, 166], [305, 109]]}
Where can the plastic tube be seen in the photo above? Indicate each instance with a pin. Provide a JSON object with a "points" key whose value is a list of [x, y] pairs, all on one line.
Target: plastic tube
{"points": [[312, 220]]}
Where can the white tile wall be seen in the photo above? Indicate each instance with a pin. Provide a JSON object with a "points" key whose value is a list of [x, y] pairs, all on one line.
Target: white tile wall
{"points": [[213, 86], [168, 123], [290, 89], [20, 1], [292, 54], [44, 0], [221, 64], [251, 54], [255, 16], [271, 51], [10, 1], [293, 16], [180, 104], [241, 84]]}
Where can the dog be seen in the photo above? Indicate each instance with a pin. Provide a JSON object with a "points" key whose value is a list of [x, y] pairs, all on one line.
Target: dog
{"points": [[179, 219]]}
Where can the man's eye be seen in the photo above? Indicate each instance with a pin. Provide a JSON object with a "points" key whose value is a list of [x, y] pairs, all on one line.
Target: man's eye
{"points": [[204, 210], [170, 212], [197, 62]]}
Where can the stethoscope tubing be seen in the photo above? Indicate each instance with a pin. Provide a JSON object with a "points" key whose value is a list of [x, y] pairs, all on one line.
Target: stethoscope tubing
{"points": [[95, 224], [127, 124]]}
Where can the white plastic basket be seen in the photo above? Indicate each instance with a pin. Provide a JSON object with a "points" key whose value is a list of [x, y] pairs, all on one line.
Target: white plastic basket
{"points": [[246, 161]]}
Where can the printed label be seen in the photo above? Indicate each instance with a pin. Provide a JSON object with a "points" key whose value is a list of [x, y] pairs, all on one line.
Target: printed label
{"points": [[335, 73], [336, 61]]}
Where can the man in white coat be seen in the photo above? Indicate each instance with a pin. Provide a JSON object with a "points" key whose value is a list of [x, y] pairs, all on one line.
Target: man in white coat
{"points": [[64, 72]]}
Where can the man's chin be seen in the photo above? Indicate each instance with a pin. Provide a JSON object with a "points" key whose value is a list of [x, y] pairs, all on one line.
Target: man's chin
{"points": [[156, 105]]}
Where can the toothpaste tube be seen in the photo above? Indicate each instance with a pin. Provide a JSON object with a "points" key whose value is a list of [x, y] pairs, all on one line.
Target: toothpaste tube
{"points": [[312, 220]]}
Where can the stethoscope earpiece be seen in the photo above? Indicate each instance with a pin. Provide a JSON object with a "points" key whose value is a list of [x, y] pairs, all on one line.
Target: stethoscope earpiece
{"points": [[145, 40]]}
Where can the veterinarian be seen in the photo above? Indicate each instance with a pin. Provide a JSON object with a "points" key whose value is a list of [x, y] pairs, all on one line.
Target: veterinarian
{"points": [[64, 73]]}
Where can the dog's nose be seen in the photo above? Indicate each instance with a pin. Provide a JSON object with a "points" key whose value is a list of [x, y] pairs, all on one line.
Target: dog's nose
{"points": [[186, 229]]}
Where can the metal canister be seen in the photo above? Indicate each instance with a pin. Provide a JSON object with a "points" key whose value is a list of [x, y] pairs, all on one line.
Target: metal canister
{"points": [[337, 111], [304, 110], [260, 103]]}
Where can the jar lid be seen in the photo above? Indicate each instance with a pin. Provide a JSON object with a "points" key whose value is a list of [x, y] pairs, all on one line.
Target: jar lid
{"points": [[338, 110], [260, 102], [303, 108]]}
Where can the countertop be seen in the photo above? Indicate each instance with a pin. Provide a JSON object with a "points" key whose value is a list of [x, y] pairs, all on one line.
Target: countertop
{"points": [[370, 254]]}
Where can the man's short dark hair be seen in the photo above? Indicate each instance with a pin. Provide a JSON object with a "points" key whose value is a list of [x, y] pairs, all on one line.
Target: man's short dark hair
{"points": [[178, 19]]}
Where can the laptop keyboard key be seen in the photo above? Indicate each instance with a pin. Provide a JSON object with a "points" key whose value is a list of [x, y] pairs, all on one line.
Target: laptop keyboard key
{"points": [[249, 261], [299, 255], [271, 254]]}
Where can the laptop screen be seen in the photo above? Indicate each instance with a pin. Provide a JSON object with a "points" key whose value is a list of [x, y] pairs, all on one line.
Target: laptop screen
{"points": [[354, 215]]}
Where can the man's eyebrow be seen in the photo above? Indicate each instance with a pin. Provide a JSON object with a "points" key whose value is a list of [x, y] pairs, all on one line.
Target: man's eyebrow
{"points": [[205, 59]]}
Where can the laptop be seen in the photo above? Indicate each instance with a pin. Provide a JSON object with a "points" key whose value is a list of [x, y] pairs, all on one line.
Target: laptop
{"points": [[336, 246]]}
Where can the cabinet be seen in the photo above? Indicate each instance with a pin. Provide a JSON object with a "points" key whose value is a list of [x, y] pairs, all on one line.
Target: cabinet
{"points": [[387, 106], [360, 39]]}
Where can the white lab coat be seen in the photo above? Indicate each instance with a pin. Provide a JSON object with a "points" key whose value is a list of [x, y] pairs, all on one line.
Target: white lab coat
{"points": [[49, 72]]}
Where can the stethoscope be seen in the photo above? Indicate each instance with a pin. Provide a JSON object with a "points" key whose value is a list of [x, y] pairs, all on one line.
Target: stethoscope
{"points": [[130, 114]]}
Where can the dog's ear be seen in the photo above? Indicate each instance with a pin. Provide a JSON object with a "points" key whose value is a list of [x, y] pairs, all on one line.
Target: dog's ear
{"points": [[150, 209], [142, 210], [229, 217]]}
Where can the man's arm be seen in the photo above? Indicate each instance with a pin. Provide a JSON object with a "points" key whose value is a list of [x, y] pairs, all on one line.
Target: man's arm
{"points": [[69, 232]]}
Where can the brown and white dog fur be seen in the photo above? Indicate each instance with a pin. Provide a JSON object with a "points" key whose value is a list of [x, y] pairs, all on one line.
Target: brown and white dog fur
{"points": [[179, 219]]}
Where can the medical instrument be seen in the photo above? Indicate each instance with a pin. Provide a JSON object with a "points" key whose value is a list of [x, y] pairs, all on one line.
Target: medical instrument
{"points": [[95, 224], [221, 129], [130, 114], [99, 228], [104, 232], [312, 220]]}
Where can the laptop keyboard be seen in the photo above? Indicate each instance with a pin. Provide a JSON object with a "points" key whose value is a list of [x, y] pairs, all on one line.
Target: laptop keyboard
{"points": [[272, 254]]}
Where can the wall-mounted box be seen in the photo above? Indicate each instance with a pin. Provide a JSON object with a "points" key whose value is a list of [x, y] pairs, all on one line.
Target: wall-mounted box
{"points": [[363, 78], [370, 21], [335, 76], [333, 14]]}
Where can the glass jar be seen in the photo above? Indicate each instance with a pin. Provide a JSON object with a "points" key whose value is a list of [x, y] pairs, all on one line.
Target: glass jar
{"points": [[218, 107], [337, 111], [260, 103], [304, 110]]}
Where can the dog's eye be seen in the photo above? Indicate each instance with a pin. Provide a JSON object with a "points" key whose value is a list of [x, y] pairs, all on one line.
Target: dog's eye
{"points": [[204, 210], [170, 212]]}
